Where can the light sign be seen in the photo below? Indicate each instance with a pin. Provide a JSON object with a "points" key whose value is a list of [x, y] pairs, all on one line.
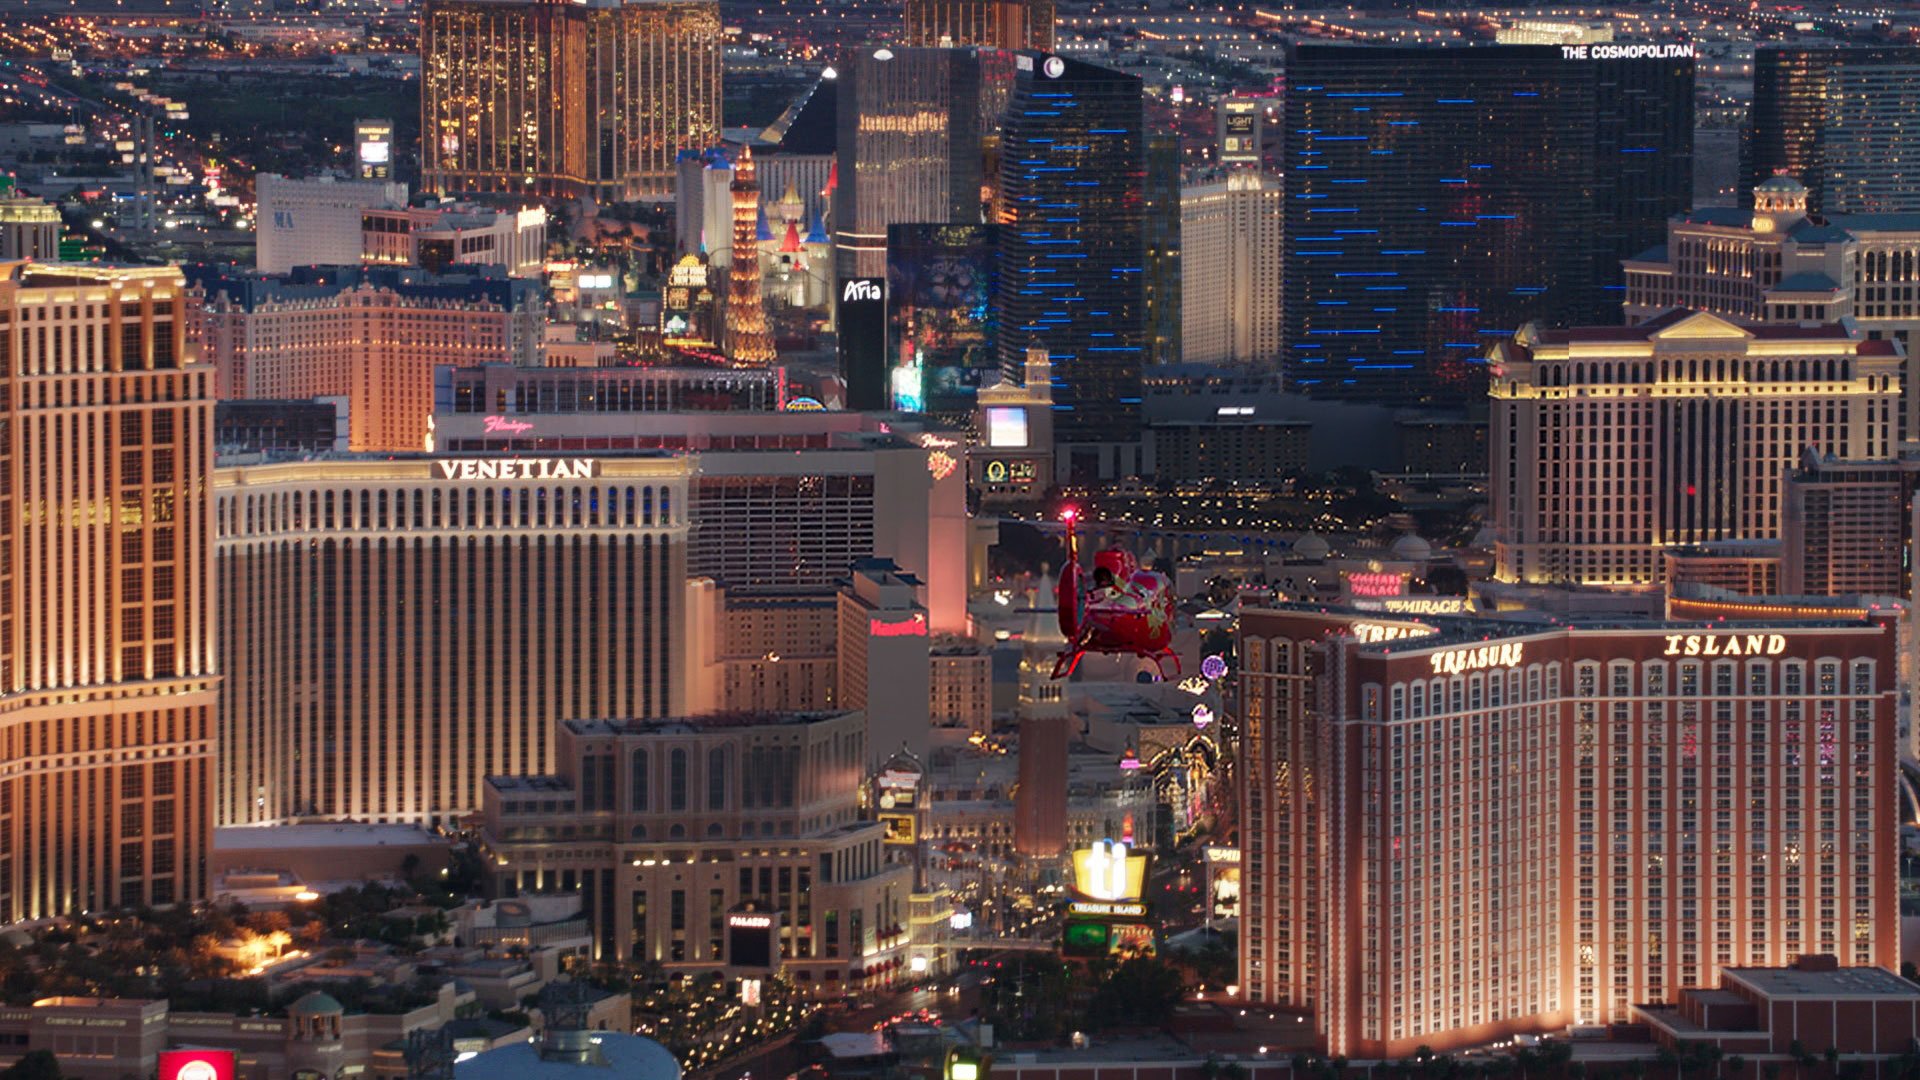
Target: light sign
{"points": [[1370, 632], [1426, 605], [196, 1065], [900, 829], [1725, 644], [1376, 584], [1009, 472], [1683, 51], [1455, 661], [1108, 909], [960, 920], [750, 922], [913, 627], [1109, 871], [520, 469], [504, 425], [1007, 427]]}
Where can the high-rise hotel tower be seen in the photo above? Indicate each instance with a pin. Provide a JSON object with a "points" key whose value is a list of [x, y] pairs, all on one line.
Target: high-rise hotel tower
{"points": [[531, 97], [107, 685]]}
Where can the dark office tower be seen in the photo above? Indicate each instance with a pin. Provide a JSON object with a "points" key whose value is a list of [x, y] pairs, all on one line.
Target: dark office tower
{"points": [[998, 24], [1072, 252], [1643, 162], [1163, 248], [912, 124], [1840, 119], [1438, 197]]}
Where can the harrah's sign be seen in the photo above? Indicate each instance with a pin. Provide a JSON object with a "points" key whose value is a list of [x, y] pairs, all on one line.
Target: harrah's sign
{"points": [[1726, 644], [520, 469]]}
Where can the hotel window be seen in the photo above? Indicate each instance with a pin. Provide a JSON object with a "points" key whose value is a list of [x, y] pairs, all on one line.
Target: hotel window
{"points": [[677, 780]]}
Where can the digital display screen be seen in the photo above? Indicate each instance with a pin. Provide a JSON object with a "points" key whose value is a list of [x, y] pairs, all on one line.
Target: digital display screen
{"points": [[1087, 939], [376, 153], [940, 337], [1007, 427]]}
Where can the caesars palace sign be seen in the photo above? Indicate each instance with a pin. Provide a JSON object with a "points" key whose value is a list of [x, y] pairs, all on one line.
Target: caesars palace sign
{"points": [[519, 469]]}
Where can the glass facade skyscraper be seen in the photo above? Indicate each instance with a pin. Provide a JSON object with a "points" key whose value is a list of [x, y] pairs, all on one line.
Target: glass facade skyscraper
{"points": [[561, 100], [1440, 197], [1841, 120], [913, 125], [1072, 251], [999, 24]]}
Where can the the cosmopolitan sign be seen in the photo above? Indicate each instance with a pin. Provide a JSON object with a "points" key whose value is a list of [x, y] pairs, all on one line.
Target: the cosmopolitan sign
{"points": [[520, 469], [1647, 51], [1725, 644], [1455, 661]]}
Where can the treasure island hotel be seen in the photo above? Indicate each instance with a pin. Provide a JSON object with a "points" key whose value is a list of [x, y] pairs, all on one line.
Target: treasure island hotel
{"points": [[107, 686], [1457, 830]]}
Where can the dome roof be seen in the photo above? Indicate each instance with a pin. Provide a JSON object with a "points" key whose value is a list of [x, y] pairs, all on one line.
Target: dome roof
{"points": [[1311, 546], [1410, 547], [1782, 183], [315, 1003]]}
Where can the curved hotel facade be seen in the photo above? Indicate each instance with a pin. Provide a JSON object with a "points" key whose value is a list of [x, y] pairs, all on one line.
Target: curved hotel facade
{"points": [[400, 629]]}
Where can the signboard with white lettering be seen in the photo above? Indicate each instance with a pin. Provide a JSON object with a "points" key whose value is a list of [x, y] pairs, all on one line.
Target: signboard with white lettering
{"points": [[519, 469]]}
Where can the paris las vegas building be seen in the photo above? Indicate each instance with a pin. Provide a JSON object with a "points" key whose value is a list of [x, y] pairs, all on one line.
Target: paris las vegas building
{"points": [[107, 685], [1457, 831]]}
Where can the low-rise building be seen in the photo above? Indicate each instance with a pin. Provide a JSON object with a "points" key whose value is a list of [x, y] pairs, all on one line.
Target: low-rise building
{"points": [[686, 837], [373, 335]]}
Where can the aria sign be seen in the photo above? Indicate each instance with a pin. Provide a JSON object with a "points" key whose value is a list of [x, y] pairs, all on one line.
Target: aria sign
{"points": [[1725, 645], [520, 469]]}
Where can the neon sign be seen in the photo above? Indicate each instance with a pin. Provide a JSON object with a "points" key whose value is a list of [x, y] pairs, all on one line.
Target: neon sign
{"points": [[496, 425], [750, 922], [1455, 661], [914, 627], [1370, 632], [1376, 584], [1725, 644], [530, 469], [941, 464]]}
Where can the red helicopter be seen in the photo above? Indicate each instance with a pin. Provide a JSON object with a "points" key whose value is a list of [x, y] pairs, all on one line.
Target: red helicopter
{"points": [[1124, 610]]}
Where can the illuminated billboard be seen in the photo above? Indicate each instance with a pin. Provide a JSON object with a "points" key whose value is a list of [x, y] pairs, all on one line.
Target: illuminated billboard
{"points": [[1109, 871], [1006, 427], [196, 1065], [1240, 124], [373, 148], [940, 328]]}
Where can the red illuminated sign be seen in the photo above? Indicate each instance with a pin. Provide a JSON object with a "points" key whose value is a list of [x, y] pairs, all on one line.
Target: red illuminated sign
{"points": [[1376, 584], [196, 1065], [914, 627]]}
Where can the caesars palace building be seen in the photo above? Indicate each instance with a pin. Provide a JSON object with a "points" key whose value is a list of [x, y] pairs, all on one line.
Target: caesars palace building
{"points": [[1457, 830], [395, 630]]}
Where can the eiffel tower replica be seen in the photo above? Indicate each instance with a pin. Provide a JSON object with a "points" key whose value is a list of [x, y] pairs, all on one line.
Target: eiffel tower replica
{"points": [[749, 343]]}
